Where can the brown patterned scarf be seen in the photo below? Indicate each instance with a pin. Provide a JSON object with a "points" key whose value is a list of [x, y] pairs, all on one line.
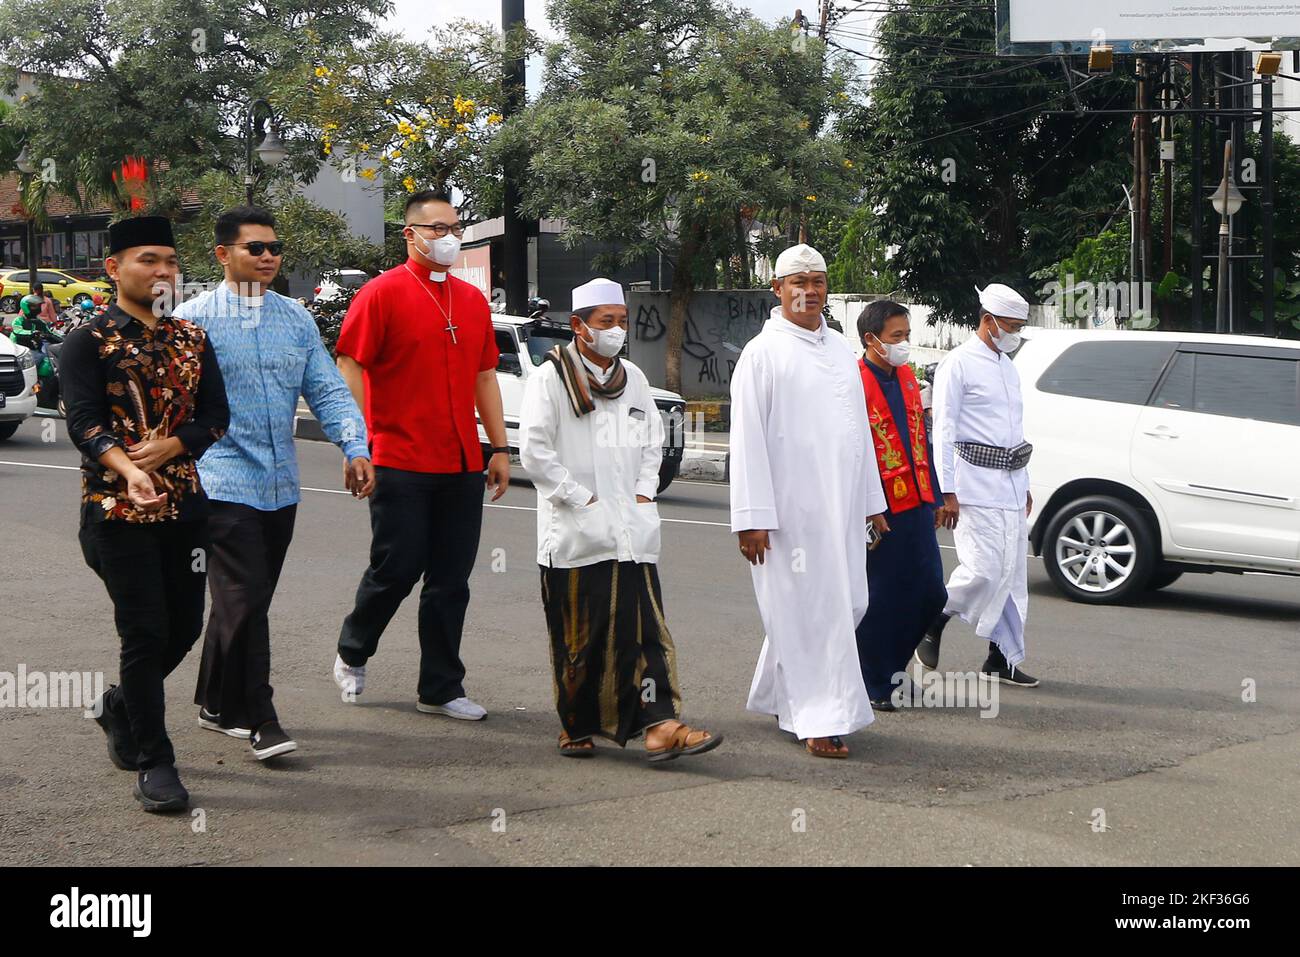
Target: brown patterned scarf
{"points": [[580, 383]]}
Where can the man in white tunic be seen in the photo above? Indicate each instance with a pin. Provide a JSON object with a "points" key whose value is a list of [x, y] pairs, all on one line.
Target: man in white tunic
{"points": [[591, 440], [979, 443], [804, 487]]}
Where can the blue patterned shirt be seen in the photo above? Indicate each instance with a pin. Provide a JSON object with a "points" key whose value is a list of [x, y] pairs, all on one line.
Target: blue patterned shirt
{"points": [[270, 355]]}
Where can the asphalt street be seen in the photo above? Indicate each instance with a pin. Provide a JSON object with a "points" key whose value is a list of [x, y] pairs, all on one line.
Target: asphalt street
{"points": [[1140, 720]]}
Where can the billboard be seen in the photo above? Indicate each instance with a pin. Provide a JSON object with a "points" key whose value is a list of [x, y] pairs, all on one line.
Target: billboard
{"points": [[1046, 26]]}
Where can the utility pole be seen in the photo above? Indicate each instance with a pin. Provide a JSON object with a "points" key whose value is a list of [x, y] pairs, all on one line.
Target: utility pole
{"points": [[1266, 202], [1167, 164], [797, 232], [514, 258], [1198, 187]]}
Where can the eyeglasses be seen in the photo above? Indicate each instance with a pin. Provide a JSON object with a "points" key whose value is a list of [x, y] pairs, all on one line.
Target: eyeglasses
{"points": [[257, 247], [442, 229]]}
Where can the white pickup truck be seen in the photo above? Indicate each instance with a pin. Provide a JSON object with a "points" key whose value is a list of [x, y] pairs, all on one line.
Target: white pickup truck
{"points": [[523, 344]]}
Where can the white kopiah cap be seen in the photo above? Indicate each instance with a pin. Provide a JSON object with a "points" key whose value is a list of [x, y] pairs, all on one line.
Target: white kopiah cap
{"points": [[1003, 302], [797, 259], [598, 292]]}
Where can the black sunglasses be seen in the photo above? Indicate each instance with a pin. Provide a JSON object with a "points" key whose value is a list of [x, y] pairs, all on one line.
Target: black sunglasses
{"points": [[257, 247]]}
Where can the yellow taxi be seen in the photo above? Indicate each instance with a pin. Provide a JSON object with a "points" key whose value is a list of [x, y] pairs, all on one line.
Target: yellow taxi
{"points": [[66, 288]]}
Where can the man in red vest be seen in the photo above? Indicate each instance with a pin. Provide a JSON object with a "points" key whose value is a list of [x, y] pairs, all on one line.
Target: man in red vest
{"points": [[904, 571]]}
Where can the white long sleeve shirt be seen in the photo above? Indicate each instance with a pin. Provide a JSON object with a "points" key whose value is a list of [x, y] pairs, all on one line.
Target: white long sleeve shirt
{"points": [[612, 453], [977, 398]]}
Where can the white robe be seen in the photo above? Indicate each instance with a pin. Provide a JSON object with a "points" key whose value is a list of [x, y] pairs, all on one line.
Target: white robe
{"points": [[803, 467], [977, 398]]}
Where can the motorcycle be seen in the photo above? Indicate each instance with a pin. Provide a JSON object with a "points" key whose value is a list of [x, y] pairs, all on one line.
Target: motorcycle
{"points": [[48, 395]]}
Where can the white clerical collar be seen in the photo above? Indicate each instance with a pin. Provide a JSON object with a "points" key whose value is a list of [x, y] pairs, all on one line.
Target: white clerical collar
{"points": [[783, 323], [437, 276], [602, 375]]}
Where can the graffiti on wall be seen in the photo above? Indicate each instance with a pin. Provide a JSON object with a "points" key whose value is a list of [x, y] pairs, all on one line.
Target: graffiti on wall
{"points": [[718, 324]]}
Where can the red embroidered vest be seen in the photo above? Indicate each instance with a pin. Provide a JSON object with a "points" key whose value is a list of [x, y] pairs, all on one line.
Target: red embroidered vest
{"points": [[900, 483]]}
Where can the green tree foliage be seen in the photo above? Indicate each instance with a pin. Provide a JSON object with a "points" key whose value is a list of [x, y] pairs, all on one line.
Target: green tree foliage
{"points": [[971, 176], [420, 112], [663, 123], [165, 80]]}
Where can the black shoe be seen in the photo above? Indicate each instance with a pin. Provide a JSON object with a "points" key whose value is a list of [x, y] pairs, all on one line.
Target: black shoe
{"points": [[270, 741], [1007, 674], [887, 705], [212, 722], [927, 652], [121, 743], [160, 790]]}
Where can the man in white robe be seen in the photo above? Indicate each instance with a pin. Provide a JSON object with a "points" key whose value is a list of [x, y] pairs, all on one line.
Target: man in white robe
{"points": [[979, 444], [804, 487]]}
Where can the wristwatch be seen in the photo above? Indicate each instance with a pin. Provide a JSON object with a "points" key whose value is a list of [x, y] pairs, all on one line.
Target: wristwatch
{"points": [[495, 450]]}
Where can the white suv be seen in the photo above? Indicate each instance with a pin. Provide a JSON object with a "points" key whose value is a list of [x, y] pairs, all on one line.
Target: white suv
{"points": [[17, 385], [1159, 453]]}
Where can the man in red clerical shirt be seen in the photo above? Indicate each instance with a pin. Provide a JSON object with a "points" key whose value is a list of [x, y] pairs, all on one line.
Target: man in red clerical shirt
{"points": [[418, 351]]}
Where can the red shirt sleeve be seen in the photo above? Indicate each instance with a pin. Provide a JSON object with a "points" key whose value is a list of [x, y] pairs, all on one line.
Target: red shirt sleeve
{"points": [[490, 356], [362, 334]]}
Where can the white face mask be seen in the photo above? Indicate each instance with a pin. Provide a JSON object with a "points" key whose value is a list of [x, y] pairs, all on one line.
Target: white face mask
{"points": [[606, 342], [896, 353], [1007, 342], [442, 251]]}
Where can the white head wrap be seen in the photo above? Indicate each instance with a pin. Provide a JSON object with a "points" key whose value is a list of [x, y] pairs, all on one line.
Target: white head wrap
{"points": [[1003, 302], [598, 292], [797, 259]]}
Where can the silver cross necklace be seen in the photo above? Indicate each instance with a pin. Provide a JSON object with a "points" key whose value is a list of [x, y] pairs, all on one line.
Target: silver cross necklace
{"points": [[446, 313]]}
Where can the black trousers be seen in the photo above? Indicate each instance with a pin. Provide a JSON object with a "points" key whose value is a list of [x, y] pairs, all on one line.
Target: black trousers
{"points": [[421, 524], [154, 573], [246, 555]]}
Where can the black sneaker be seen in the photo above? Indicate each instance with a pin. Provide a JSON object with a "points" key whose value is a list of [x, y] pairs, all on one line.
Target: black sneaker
{"points": [[927, 652], [210, 721], [270, 741], [1007, 674], [121, 743], [160, 790]]}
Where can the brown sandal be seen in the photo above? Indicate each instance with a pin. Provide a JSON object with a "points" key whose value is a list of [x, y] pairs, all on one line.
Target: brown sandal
{"points": [[679, 744], [837, 748], [581, 748]]}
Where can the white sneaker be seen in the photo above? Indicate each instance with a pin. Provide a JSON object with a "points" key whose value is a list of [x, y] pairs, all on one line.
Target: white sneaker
{"points": [[461, 708], [352, 681]]}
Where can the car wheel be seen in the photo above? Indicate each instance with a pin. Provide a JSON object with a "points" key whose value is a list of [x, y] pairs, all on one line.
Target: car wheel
{"points": [[1100, 551], [81, 297], [7, 429], [9, 304], [1164, 576], [668, 469]]}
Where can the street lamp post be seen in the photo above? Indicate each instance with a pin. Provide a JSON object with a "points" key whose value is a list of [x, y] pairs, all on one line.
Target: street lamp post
{"points": [[1227, 200], [270, 149], [25, 166]]}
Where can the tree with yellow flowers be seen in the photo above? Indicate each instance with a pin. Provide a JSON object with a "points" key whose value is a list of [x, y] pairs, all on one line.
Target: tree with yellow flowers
{"points": [[420, 113]]}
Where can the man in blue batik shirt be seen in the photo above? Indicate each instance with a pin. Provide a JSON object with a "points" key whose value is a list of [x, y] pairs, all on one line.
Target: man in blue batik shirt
{"points": [[271, 354]]}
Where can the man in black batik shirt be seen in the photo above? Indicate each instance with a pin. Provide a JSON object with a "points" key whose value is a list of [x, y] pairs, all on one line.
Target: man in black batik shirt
{"points": [[144, 399]]}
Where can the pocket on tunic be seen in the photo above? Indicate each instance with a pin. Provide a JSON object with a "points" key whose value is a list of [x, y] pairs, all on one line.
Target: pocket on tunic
{"points": [[585, 533], [645, 531]]}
